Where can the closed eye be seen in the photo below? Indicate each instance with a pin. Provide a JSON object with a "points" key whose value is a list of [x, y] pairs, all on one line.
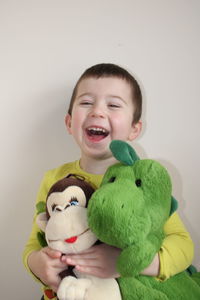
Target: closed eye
{"points": [[114, 106], [56, 208], [85, 103]]}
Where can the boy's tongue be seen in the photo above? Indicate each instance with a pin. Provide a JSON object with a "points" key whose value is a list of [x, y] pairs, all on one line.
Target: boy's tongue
{"points": [[96, 134], [96, 138]]}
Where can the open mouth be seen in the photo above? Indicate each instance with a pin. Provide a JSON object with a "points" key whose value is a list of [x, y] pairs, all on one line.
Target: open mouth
{"points": [[97, 133]]}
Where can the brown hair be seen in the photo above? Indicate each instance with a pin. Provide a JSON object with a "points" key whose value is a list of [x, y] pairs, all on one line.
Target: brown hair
{"points": [[112, 70]]}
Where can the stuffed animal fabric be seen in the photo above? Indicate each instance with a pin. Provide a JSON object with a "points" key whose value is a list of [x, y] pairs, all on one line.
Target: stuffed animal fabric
{"points": [[129, 211], [66, 229]]}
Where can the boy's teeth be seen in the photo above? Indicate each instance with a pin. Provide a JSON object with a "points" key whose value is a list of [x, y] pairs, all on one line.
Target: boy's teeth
{"points": [[97, 131]]}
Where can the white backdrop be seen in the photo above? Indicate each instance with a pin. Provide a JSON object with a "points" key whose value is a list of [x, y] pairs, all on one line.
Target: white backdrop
{"points": [[45, 45]]}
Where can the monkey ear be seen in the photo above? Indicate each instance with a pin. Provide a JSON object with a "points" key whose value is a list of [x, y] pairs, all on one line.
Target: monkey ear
{"points": [[41, 221]]}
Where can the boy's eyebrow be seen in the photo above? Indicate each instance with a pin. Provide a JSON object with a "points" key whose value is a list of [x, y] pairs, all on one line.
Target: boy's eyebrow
{"points": [[85, 94], [116, 96], [109, 96]]}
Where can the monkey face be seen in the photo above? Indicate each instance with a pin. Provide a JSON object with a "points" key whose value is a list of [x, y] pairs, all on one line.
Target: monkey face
{"points": [[67, 228]]}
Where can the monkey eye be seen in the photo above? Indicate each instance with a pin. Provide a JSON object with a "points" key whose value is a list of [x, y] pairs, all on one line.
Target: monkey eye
{"points": [[55, 207], [74, 201]]}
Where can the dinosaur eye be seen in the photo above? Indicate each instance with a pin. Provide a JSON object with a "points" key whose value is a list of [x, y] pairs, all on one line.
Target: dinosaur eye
{"points": [[138, 182], [112, 179]]}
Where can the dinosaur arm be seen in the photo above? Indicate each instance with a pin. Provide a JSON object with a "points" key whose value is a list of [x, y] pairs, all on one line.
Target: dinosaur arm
{"points": [[133, 259], [154, 268]]}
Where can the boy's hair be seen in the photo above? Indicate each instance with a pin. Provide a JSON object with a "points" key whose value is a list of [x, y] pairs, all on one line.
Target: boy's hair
{"points": [[112, 70]]}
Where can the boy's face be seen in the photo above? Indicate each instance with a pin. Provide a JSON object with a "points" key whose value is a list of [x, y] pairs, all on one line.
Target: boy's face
{"points": [[102, 111]]}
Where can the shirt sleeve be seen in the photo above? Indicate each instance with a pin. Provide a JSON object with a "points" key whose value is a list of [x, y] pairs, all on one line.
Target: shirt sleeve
{"points": [[177, 250], [33, 243]]}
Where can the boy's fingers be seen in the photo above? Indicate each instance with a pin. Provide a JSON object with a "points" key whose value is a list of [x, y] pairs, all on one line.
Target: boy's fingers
{"points": [[90, 250], [81, 256], [83, 262], [52, 253], [59, 265], [75, 258], [94, 271]]}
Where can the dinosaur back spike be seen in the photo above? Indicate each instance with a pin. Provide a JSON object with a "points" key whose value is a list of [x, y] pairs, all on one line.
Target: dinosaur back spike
{"points": [[123, 152]]}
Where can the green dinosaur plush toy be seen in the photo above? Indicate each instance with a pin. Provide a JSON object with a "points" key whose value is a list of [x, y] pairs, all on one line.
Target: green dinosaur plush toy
{"points": [[129, 211]]}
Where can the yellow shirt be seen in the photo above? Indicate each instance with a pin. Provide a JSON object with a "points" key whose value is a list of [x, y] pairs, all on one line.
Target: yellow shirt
{"points": [[176, 253]]}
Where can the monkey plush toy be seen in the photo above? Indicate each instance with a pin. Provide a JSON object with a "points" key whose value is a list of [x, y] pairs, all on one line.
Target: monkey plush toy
{"points": [[66, 229]]}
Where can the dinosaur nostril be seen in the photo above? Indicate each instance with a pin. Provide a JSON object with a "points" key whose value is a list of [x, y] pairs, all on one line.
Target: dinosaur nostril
{"points": [[122, 206]]}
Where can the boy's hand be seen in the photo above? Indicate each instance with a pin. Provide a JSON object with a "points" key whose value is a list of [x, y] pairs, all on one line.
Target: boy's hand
{"points": [[99, 261], [46, 264]]}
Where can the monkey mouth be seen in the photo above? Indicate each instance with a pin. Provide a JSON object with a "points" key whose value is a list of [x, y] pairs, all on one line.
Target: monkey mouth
{"points": [[72, 239]]}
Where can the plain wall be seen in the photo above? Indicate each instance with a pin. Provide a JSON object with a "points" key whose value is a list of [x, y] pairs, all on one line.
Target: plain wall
{"points": [[45, 45]]}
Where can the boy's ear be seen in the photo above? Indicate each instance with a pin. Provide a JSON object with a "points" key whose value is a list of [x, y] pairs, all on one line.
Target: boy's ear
{"points": [[68, 123], [135, 130]]}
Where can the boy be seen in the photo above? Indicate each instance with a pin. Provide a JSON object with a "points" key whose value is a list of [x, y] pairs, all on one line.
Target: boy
{"points": [[106, 104]]}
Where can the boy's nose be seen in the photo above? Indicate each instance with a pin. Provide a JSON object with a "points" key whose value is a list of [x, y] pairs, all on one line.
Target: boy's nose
{"points": [[97, 111]]}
